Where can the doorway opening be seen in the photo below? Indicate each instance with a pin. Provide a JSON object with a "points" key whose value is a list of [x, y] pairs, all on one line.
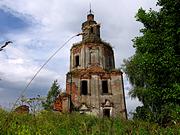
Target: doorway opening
{"points": [[106, 113]]}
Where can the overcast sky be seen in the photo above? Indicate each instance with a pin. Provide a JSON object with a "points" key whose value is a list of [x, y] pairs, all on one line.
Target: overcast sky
{"points": [[38, 27]]}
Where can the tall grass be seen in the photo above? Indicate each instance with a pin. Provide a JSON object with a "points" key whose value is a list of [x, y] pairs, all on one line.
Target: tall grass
{"points": [[50, 123]]}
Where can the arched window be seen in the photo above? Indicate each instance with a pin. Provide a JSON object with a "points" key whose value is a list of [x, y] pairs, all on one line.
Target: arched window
{"points": [[77, 60], [84, 87], [92, 57], [104, 87]]}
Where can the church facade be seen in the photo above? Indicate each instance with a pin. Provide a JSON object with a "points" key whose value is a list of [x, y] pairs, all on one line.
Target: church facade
{"points": [[94, 84]]}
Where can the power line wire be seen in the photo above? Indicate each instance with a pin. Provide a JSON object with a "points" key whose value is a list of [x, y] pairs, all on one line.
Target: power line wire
{"points": [[23, 91]]}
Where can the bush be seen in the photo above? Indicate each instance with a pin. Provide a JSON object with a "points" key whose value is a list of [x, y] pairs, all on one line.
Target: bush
{"points": [[51, 123]]}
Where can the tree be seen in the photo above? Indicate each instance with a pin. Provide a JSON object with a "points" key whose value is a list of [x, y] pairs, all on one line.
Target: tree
{"points": [[154, 69], [51, 96]]}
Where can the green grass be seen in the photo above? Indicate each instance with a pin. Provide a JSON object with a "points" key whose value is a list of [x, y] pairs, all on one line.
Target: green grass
{"points": [[49, 123]]}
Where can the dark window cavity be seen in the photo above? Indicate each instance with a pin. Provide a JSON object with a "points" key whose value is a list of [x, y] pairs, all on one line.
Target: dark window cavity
{"points": [[105, 86], [77, 60], [84, 88], [91, 29], [110, 62]]}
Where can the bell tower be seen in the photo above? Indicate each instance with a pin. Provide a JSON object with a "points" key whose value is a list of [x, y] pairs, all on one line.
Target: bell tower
{"points": [[94, 84], [91, 30]]}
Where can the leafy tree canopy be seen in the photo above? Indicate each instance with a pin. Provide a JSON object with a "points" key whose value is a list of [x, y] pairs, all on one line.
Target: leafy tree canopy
{"points": [[51, 96], [154, 69]]}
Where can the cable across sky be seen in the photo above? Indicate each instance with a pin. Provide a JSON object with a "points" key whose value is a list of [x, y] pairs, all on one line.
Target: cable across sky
{"points": [[45, 63]]}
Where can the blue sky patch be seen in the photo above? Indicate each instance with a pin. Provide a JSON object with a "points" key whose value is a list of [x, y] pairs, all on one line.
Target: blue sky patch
{"points": [[10, 22]]}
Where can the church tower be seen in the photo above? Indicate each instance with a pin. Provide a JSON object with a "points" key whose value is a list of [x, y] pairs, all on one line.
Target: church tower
{"points": [[94, 85]]}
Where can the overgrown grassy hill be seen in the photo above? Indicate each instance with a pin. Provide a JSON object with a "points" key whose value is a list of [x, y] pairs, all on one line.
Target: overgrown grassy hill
{"points": [[50, 123]]}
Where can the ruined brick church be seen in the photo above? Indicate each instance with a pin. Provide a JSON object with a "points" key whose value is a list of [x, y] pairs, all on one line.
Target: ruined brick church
{"points": [[93, 84]]}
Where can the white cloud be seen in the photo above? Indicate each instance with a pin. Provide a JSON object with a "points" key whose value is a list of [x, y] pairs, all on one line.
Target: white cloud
{"points": [[16, 61]]}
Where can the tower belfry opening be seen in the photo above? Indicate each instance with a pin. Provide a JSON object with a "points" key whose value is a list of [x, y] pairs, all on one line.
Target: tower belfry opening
{"points": [[94, 84]]}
